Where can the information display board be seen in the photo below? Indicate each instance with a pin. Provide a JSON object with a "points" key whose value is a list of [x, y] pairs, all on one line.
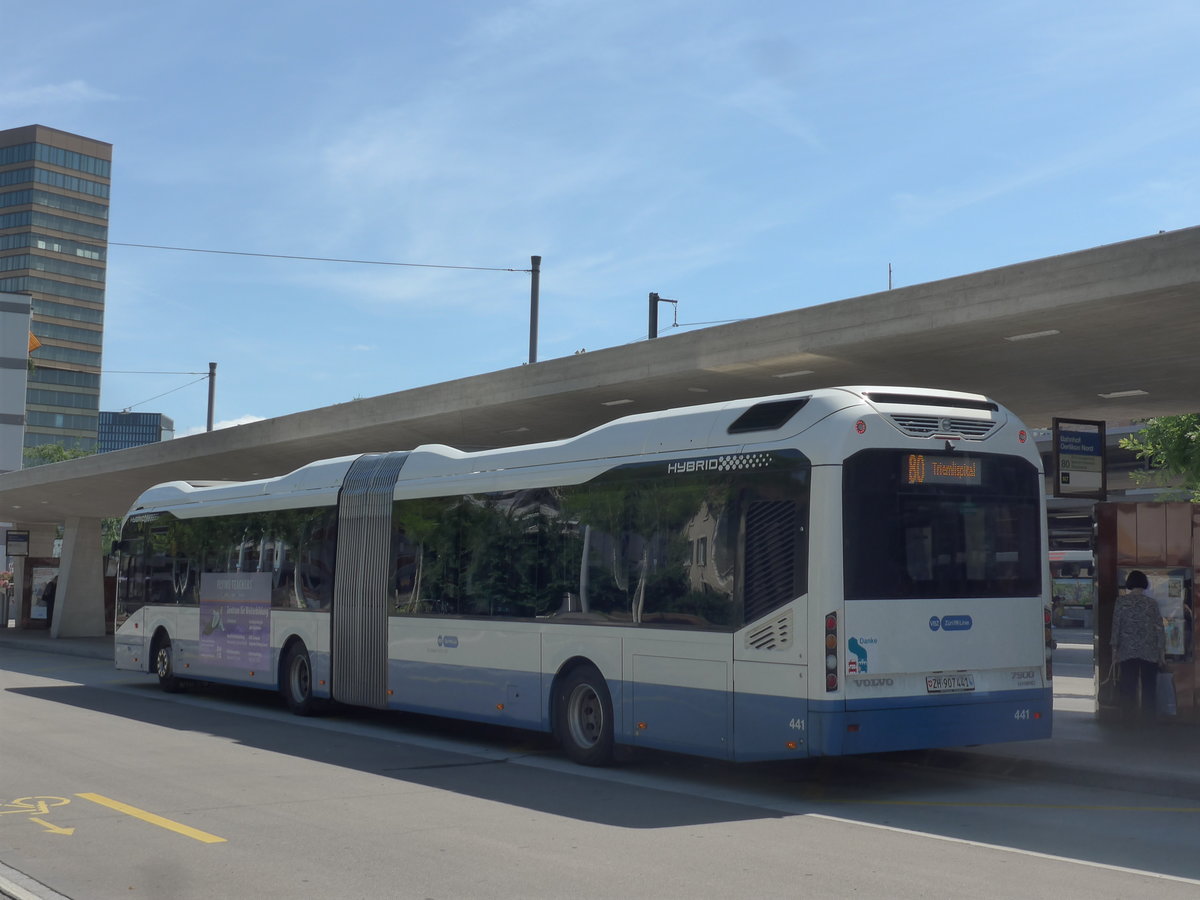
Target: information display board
{"points": [[1080, 462]]}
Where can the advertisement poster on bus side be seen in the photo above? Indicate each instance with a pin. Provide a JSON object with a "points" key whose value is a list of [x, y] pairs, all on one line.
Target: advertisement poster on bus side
{"points": [[235, 619]]}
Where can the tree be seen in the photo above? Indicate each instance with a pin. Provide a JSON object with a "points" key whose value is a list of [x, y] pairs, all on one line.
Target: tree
{"points": [[44, 454], [1170, 446]]}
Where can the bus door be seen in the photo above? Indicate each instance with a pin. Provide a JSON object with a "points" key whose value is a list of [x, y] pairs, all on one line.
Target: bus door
{"points": [[358, 631]]}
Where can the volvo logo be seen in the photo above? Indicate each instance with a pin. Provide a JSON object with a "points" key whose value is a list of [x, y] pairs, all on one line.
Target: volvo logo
{"points": [[875, 682]]}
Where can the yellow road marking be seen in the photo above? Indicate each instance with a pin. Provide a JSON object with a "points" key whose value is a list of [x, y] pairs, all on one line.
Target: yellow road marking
{"points": [[39, 805], [51, 827], [178, 828]]}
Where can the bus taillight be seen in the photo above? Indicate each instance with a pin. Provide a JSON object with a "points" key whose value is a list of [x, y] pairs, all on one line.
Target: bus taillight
{"points": [[831, 652]]}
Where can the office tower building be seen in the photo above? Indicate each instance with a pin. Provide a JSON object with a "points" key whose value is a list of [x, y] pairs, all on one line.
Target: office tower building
{"points": [[119, 430], [54, 189]]}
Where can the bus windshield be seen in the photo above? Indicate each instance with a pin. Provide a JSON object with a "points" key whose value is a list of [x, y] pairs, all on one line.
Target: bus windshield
{"points": [[940, 526]]}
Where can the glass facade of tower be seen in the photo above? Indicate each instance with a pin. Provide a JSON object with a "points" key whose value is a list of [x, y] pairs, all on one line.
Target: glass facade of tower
{"points": [[121, 430], [54, 190]]}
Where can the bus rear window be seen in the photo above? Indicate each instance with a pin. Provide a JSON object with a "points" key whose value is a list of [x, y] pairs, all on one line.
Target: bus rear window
{"points": [[942, 526]]}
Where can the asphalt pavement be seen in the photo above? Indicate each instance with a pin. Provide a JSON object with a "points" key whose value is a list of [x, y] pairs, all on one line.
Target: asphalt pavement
{"points": [[1085, 748]]}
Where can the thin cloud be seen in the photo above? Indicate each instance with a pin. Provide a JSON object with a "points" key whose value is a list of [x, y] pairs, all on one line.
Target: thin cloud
{"points": [[75, 91]]}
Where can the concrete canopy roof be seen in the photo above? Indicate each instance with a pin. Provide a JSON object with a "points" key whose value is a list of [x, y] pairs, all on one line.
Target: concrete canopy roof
{"points": [[1045, 338]]}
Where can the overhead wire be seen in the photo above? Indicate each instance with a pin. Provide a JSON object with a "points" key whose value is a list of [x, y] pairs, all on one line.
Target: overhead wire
{"points": [[360, 262], [676, 325], [164, 393]]}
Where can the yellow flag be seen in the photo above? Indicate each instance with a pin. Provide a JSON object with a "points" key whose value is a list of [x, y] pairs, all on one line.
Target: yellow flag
{"points": [[34, 343]]}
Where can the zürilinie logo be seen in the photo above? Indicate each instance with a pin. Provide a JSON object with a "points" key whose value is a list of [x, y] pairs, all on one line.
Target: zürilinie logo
{"points": [[733, 462]]}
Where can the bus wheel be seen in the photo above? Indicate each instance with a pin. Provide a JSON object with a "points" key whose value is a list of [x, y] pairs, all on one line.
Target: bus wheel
{"points": [[295, 682], [164, 667], [584, 717]]}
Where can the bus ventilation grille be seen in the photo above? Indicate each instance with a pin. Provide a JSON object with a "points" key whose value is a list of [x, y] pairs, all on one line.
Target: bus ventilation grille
{"points": [[775, 634], [928, 426]]}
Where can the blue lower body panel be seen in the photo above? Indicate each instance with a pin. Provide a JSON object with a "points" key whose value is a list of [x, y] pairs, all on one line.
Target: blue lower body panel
{"points": [[751, 728], [465, 692], [921, 722], [770, 727]]}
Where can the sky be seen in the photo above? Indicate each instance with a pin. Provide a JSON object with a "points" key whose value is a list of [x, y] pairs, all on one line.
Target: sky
{"points": [[743, 157]]}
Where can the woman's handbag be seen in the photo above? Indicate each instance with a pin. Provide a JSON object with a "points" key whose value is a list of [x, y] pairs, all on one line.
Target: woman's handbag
{"points": [[1165, 699], [1107, 694]]}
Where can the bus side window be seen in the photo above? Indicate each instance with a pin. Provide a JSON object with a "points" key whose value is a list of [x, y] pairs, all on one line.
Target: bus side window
{"points": [[315, 561]]}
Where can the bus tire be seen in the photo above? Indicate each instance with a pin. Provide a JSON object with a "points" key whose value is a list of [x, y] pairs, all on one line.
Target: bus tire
{"points": [[584, 717], [164, 665], [296, 681]]}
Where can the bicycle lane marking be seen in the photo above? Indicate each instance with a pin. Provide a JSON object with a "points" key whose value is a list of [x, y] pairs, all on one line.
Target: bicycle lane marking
{"points": [[35, 808], [151, 818]]}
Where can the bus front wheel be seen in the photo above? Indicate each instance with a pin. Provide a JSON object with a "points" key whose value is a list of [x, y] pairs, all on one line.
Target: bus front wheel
{"points": [[584, 717], [164, 666], [296, 682]]}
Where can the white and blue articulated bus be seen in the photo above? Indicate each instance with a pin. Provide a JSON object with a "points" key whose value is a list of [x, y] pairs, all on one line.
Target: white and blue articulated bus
{"points": [[847, 570]]}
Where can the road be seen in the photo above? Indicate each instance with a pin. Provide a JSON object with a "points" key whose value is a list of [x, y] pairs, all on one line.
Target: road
{"points": [[109, 788]]}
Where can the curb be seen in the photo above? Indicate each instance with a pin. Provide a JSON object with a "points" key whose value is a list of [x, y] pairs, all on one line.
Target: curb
{"points": [[94, 649]]}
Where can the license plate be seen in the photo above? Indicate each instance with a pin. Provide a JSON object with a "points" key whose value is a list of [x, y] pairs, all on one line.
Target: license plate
{"points": [[948, 684]]}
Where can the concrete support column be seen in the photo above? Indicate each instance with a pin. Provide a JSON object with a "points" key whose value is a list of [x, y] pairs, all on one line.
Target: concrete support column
{"points": [[79, 606]]}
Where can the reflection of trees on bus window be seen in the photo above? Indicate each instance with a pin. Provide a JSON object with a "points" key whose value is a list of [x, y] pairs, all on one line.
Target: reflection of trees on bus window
{"points": [[166, 559], [706, 547], [637, 545], [314, 534]]}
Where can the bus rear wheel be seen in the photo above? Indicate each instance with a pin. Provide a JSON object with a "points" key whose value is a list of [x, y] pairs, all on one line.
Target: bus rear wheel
{"points": [[164, 666], [295, 682], [584, 717]]}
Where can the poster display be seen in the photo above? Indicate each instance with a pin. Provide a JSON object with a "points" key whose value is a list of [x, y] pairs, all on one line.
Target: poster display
{"points": [[235, 620], [1169, 588], [39, 577], [1073, 591]]}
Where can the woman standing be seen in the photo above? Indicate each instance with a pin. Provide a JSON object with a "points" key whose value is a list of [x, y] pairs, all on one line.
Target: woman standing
{"points": [[1138, 646]]}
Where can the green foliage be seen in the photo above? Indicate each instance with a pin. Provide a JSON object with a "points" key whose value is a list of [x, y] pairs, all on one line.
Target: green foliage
{"points": [[110, 531], [1170, 445], [44, 454]]}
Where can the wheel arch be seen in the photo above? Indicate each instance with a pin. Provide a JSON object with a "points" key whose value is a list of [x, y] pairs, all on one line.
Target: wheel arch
{"points": [[565, 670], [284, 648], [161, 633]]}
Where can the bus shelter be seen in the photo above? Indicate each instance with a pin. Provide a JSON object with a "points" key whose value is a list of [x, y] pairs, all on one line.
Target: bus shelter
{"points": [[1163, 541]]}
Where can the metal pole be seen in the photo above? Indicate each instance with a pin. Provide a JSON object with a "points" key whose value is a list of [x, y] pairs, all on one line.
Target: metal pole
{"points": [[535, 272], [212, 392], [652, 329]]}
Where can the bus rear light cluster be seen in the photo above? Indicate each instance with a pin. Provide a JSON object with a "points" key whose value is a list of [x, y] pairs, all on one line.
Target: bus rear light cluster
{"points": [[831, 652]]}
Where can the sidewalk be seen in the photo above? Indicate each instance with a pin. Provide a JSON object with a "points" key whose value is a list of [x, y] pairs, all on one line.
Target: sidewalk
{"points": [[40, 640], [1162, 760]]}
